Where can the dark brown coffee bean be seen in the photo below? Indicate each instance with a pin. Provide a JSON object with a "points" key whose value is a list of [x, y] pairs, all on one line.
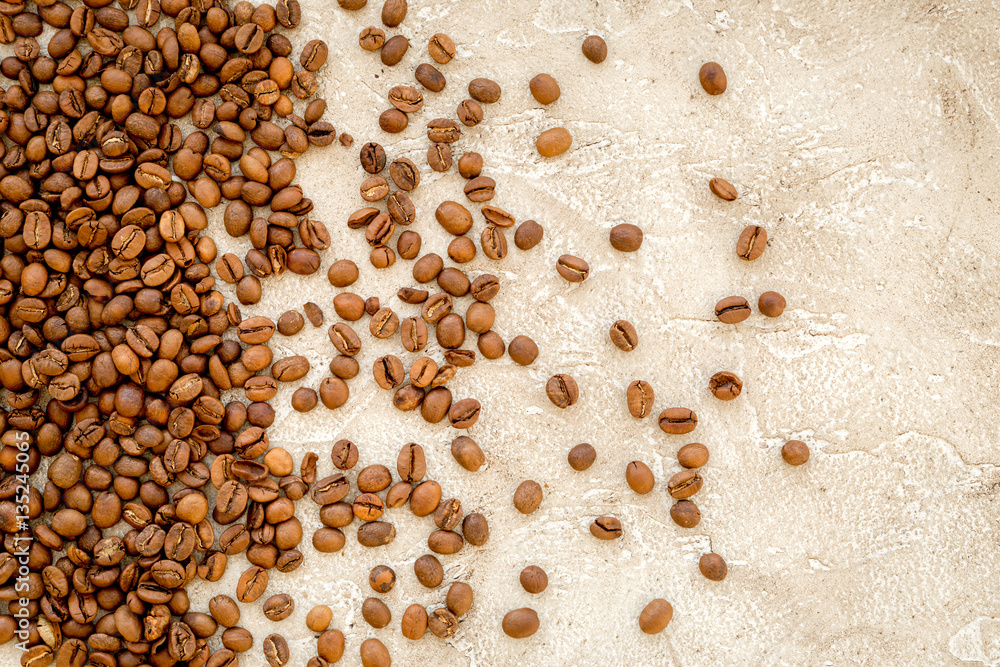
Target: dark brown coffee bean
{"points": [[528, 496], [713, 567], [439, 157], [406, 98], [467, 453], [562, 390], [393, 50], [595, 49], [443, 130], [639, 477], [639, 398], [694, 455], [404, 174], [606, 528], [224, 610], [371, 39], [484, 90], [388, 371], [655, 616], [582, 457], [534, 580], [441, 48], [278, 607], [470, 166], [393, 121], [408, 244], [771, 304], [725, 386], [624, 335], [372, 158], [553, 142], [520, 623], [376, 534], [685, 514], [573, 269], [455, 218], [684, 484], [470, 113], [476, 529], [795, 452], [751, 243], [252, 584], [428, 570], [732, 310], [722, 189], [345, 456], [464, 413], [411, 463], [328, 540], [374, 654], [528, 235], [626, 237], [713, 78], [393, 12], [522, 350], [275, 650]]}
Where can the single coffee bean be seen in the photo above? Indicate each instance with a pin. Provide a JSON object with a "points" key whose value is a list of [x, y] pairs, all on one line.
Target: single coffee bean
{"points": [[439, 157], [582, 456], [470, 113], [684, 484], [528, 496], [442, 623], [480, 189], [342, 273], [795, 452], [713, 567], [725, 386], [533, 579], [319, 617], [751, 243], [722, 189], [252, 584], [393, 50], [655, 616], [771, 304], [606, 528], [732, 310], [553, 142], [693, 455], [278, 607], [430, 77], [459, 598], [290, 323], [443, 130], [476, 529], [639, 398], [328, 540], [376, 534], [414, 623], [713, 78], [595, 49], [470, 165], [522, 350], [406, 98], [441, 48], [562, 390], [275, 650], [393, 12], [520, 623], [464, 413], [382, 578], [573, 269], [484, 90], [639, 477], [467, 453], [374, 654], [626, 237], [371, 39], [528, 235], [392, 121], [678, 421], [372, 159], [455, 218], [330, 645], [685, 514], [404, 174], [544, 89], [624, 335], [429, 571]]}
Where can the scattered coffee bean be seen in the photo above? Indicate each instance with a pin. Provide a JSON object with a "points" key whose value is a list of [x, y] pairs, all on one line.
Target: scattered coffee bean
{"points": [[520, 623], [626, 237], [771, 304], [442, 623], [441, 48], [475, 529], [684, 484], [639, 477], [639, 397], [624, 335], [414, 623], [382, 578], [275, 650], [713, 78], [582, 457], [595, 49], [376, 613], [459, 598], [393, 12], [374, 654], [544, 89], [562, 390], [606, 528], [685, 514], [655, 616], [371, 39], [713, 567], [795, 452], [430, 78], [278, 607], [319, 617], [732, 310], [393, 50], [528, 235], [533, 579], [528, 497], [470, 165], [693, 455], [522, 350], [722, 189], [725, 386], [467, 453], [553, 142], [751, 243], [484, 90]]}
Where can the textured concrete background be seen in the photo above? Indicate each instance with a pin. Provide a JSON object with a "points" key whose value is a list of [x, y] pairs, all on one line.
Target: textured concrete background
{"points": [[864, 137]]}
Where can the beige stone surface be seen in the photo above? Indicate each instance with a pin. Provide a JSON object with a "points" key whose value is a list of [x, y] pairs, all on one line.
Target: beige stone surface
{"points": [[864, 137]]}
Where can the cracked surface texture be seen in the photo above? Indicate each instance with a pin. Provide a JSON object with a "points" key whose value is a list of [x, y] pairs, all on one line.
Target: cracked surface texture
{"points": [[863, 137]]}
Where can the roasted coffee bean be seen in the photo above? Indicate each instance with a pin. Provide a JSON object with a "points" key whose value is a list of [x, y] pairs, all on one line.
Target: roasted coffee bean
{"points": [[372, 158], [330, 645], [528, 235], [655, 616], [342, 273], [401, 208], [425, 498], [345, 456], [722, 189], [595, 49], [275, 650], [455, 218], [624, 336], [464, 413], [374, 654], [475, 529], [751, 243], [467, 453], [573, 269], [713, 567], [626, 237], [520, 623], [484, 90], [553, 142], [278, 607], [582, 456], [376, 534], [393, 121], [406, 98], [441, 48], [725, 386], [439, 157], [411, 463], [685, 514], [393, 50], [713, 78], [606, 528], [639, 477], [319, 617], [442, 623], [640, 397], [544, 89], [371, 39], [795, 452], [534, 580], [732, 310], [684, 484], [470, 113], [443, 130], [771, 304], [562, 390], [224, 610], [382, 578], [404, 174], [522, 350], [528, 496], [677, 421], [430, 77], [428, 570], [694, 455], [252, 584], [470, 166], [414, 623], [328, 540], [480, 189]]}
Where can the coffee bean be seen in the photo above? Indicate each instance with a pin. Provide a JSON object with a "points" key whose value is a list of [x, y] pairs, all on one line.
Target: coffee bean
{"points": [[441, 48], [476, 529], [470, 113], [319, 617], [480, 189], [414, 623], [328, 540], [224, 610], [544, 89], [624, 335], [251, 585], [484, 90], [382, 578], [330, 645], [467, 453], [520, 623], [595, 49], [376, 534], [392, 121], [371, 39], [464, 413], [722, 189], [751, 243], [732, 310], [445, 542], [454, 218], [573, 269], [655, 616], [528, 497], [626, 237], [275, 650], [639, 397], [684, 484], [442, 623], [429, 571], [639, 477], [713, 78], [376, 613], [404, 174], [406, 98], [694, 455], [278, 607], [443, 130], [430, 77], [393, 12], [372, 159], [713, 567], [678, 421], [534, 580], [562, 390], [425, 498], [795, 452], [439, 157], [459, 598], [304, 399], [771, 304], [411, 463], [553, 142], [393, 50], [685, 514], [725, 386], [582, 457], [522, 350], [470, 166], [606, 528], [528, 235]]}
